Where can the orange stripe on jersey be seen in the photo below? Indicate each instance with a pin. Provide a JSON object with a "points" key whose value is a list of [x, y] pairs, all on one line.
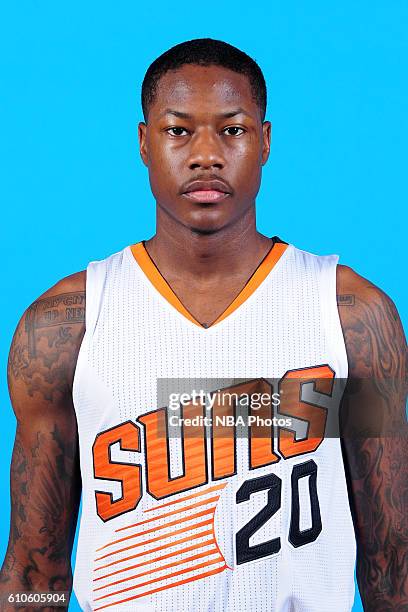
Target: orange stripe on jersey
{"points": [[200, 534], [182, 499], [146, 263], [256, 279], [185, 519], [161, 537], [165, 577], [150, 571], [157, 559], [172, 513], [162, 588], [158, 281]]}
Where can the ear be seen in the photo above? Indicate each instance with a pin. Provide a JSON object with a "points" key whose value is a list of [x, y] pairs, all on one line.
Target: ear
{"points": [[266, 140], [142, 130]]}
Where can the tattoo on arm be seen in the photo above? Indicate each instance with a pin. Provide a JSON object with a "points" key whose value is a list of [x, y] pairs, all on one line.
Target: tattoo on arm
{"points": [[42, 499], [44, 475], [377, 465], [345, 299], [44, 348], [62, 310]]}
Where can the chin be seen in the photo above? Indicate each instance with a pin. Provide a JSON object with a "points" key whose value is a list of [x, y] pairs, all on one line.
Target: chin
{"points": [[207, 221]]}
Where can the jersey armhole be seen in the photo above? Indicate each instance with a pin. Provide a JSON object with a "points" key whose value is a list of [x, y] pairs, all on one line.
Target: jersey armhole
{"points": [[92, 306], [95, 279], [331, 317]]}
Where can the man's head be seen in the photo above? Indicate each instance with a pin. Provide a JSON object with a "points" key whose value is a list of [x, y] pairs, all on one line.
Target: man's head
{"points": [[204, 139]]}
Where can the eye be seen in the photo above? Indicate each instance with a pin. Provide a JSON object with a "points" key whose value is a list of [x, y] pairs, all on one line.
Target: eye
{"points": [[233, 130], [175, 131]]}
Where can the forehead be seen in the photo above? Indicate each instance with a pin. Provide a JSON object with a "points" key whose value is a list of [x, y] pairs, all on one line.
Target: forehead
{"points": [[194, 89]]}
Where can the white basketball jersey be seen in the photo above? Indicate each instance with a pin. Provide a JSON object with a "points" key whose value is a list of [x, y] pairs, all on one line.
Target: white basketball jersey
{"points": [[210, 520]]}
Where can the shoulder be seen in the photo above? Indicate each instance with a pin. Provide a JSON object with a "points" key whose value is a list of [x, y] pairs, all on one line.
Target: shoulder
{"points": [[349, 279], [46, 342], [355, 290], [68, 291], [371, 324], [62, 304]]}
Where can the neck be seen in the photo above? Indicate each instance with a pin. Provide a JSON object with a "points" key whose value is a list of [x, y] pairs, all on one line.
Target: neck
{"points": [[179, 251]]}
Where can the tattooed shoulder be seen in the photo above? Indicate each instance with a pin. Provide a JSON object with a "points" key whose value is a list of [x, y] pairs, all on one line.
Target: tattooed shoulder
{"points": [[46, 342], [372, 329]]}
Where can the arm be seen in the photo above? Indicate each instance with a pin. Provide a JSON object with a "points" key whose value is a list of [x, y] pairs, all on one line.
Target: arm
{"points": [[375, 441], [44, 477]]}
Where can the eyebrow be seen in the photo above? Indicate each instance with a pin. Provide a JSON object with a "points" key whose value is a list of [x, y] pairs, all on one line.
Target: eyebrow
{"points": [[181, 115]]}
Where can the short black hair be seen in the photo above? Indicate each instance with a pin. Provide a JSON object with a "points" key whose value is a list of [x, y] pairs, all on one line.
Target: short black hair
{"points": [[205, 52]]}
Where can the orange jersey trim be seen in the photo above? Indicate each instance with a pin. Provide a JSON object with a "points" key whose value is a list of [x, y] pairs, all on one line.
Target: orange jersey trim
{"points": [[145, 262]]}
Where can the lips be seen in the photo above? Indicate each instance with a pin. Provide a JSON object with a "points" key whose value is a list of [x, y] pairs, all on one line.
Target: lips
{"points": [[207, 191]]}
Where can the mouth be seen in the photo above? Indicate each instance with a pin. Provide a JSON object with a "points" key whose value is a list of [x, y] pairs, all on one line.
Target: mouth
{"points": [[207, 191], [206, 195]]}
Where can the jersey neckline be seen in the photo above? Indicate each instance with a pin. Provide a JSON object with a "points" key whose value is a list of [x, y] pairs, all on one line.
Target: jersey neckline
{"points": [[139, 254]]}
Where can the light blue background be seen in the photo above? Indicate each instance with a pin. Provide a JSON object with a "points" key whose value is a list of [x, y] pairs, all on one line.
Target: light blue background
{"points": [[73, 187]]}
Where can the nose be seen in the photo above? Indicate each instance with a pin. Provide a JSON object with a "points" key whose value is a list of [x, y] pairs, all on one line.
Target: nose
{"points": [[205, 151]]}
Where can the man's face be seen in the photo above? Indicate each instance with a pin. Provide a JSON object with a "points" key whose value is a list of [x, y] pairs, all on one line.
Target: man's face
{"points": [[204, 145]]}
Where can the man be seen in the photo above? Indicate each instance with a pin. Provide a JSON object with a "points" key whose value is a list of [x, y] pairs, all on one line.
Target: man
{"points": [[208, 520]]}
